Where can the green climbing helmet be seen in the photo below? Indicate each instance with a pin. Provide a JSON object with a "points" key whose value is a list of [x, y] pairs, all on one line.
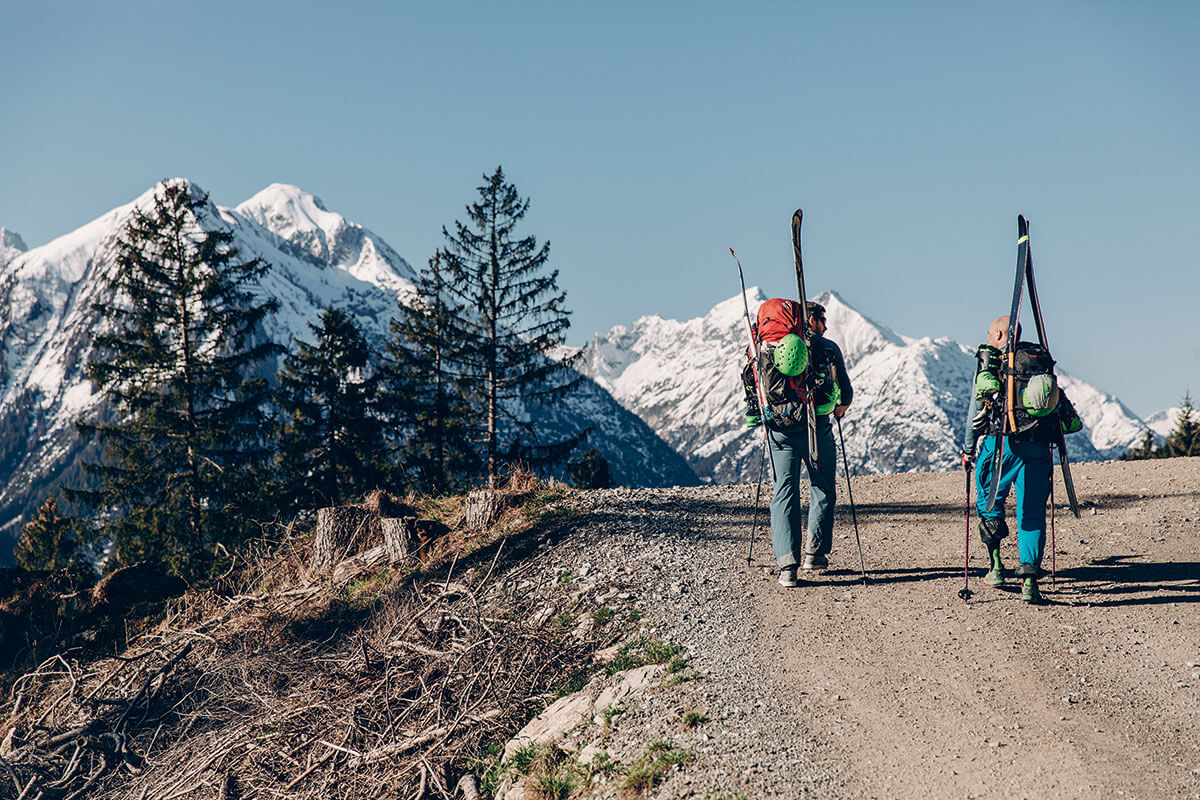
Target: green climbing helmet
{"points": [[791, 355], [1040, 396]]}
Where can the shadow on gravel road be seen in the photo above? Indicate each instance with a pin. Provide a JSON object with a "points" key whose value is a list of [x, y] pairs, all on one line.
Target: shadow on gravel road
{"points": [[1119, 499], [848, 576], [1121, 576]]}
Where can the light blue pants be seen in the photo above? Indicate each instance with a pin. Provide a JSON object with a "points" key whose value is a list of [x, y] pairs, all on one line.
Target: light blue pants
{"points": [[789, 452], [1027, 466]]}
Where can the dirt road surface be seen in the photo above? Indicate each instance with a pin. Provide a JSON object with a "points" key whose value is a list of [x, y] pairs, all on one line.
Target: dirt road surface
{"points": [[900, 689]]}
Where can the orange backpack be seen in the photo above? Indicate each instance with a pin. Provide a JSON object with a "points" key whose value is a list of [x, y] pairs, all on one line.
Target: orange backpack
{"points": [[777, 318]]}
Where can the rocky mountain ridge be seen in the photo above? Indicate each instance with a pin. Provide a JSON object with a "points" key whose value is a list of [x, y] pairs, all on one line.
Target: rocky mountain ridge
{"points": [[910, 394]]}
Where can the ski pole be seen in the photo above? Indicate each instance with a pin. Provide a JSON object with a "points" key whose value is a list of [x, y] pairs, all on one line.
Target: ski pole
{"points": [[759, 392], [1053, 573], [757, 494], [850, 495], [965, 592]]}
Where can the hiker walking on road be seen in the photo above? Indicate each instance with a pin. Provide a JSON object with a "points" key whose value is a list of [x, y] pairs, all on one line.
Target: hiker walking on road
{"points": [[789, 369], [1039, 408]]}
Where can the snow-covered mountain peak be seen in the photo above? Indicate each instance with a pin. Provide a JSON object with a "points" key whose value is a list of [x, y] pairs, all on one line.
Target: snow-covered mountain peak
{"points": [[732, 312], [11, 245], [286, 209], [857, 334], [301, 219], [910, 394]]}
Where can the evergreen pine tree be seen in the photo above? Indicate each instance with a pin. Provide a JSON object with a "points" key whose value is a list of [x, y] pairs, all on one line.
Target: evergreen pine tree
{"points": [[1184, 438], [590, 471], [518, 316], [331, 446], [181, 341], [424, 392], [49, 541], [1144, 450]]}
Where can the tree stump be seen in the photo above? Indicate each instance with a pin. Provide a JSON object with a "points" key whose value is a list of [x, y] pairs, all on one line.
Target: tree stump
{"points": [[482, 509], [341, 531], [399, 537]]}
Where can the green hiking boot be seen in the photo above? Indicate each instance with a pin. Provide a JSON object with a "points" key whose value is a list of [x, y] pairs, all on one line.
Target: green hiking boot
{"points": [[1029, 591], [995, 575]]}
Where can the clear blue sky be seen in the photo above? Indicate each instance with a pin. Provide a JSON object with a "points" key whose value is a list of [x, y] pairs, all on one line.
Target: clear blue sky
{"points": [[651, 136]]}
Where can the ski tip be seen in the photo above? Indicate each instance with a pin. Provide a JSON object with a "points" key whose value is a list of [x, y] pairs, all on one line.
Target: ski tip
{"points": [[732, 253], [798, 215]]}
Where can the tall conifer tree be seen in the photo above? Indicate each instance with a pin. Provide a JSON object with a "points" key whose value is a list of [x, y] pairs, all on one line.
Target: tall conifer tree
{"points": [[518, 315], [1184, 438], [331, 445], [49, 541], [177, 361], [423, 385]]}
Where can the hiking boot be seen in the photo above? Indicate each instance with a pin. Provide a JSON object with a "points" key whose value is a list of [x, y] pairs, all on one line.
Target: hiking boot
{"points": [[787, 577], [1029, 591], [995, 575], [815, 561]]}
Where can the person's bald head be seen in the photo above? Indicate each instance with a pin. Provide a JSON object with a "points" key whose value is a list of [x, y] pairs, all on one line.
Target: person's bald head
{"points": [[998, 333]]}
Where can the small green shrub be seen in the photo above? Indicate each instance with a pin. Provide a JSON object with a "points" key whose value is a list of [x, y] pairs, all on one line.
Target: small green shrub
{"points": [[651, 769], [640, 652]]}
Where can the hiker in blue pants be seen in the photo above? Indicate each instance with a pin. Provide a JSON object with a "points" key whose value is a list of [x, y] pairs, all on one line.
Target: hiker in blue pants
{"points": [[1038, 409]]}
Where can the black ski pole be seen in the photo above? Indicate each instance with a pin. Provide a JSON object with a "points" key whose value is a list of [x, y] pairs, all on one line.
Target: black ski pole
{"points": [[850, 495], [965, 591], [1053, 572], [757, 495]]}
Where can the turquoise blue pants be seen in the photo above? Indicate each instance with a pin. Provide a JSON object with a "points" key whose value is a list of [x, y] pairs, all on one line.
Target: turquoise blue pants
{"points": [[1026, 466], [789, 452]]}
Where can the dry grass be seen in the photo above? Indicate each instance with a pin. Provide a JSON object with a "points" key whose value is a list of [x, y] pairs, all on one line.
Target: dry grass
{"points": [[392, 686]]}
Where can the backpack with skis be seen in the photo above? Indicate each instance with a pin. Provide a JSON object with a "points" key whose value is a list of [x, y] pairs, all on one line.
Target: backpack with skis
{"points": [[781, 365], [788, 371], [1037, 399], [1025, 399]]}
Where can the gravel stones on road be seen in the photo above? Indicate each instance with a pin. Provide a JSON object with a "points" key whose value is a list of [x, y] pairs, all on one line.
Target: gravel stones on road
{"points": [[897, 688]]}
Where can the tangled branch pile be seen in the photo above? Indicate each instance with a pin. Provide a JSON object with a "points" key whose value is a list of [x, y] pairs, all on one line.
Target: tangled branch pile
{"points": [[391, 686]]}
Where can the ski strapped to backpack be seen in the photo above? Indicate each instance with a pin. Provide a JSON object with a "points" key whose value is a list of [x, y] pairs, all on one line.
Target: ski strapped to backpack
{"points": [[805, 333], [753, 351], [1023, 374]]}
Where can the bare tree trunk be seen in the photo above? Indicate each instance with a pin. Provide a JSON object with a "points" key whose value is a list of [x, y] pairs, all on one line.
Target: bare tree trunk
{"points": [[399, 536], [482, 509], [341, 531]]}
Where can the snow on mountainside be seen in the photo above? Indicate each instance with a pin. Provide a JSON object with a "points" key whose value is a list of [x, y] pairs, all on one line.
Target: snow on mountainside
{"points": [[302, 220], [1163, 422], [11, 246], [909, 394], [317, 258]]}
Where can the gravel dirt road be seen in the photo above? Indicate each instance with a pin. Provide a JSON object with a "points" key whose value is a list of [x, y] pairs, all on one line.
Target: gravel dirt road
{"points": [[898, 688]]}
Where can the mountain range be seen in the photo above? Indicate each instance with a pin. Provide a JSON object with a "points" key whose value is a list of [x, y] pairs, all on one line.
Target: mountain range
{"points": [[663, 397], [909, 405], [318, 258]]}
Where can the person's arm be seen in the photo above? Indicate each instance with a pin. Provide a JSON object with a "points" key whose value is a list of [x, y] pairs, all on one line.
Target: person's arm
{"points": [[843, 380], [976, 422]]}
